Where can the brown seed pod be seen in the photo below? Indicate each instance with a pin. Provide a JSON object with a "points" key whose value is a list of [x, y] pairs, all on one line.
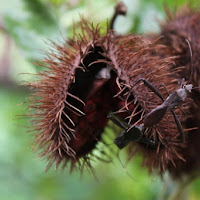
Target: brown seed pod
{"points": [[185, 24], [71, 100], [133, 58]]}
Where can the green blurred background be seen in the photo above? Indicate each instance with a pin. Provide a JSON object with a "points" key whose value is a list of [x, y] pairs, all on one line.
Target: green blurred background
{"points": [[26, 26]]}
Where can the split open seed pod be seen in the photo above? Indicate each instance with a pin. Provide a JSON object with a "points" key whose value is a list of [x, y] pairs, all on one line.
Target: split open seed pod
{"points": [[71, 99]]}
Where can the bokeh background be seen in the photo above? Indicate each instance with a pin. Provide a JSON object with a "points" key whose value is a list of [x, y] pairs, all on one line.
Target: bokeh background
{"points": [[26, 27]]}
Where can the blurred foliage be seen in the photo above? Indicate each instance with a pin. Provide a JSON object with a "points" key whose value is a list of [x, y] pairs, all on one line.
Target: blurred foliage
{"points": [[26, 25]]}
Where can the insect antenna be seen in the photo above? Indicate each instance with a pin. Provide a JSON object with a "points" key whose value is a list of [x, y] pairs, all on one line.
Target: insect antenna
{"points": [[125, 167], [191, 61], [195, 88]]}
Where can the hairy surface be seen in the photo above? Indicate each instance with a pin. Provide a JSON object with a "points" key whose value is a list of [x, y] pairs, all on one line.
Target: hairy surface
{"points": [[92, 75], [185, 24], [70, 100], [131, 58]]}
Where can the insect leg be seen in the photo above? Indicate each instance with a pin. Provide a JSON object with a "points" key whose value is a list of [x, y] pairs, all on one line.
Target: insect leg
{"points": [[163, 85], [152, 144], [178, 123], [116, 121], [156, 114], [150, 86]]}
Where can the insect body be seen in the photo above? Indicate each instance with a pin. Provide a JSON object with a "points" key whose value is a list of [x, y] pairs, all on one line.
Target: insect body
{"points": [[134, 134], [125, 137], [173, 100]]}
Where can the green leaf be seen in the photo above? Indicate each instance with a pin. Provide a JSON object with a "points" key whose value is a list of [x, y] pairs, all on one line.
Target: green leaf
{"points": [[30, 23]]}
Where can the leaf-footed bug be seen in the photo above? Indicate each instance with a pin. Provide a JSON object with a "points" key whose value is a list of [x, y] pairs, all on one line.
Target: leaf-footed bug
{"points": [[172, 101]]}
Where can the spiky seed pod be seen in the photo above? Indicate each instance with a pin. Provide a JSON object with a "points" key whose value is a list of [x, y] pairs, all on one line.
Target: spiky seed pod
{"points": [[131, 57], [70, 100], [185, 24]]}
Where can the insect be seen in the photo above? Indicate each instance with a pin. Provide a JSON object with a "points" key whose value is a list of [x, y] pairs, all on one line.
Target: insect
{"points": [[134, 134], [172, 101]]}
